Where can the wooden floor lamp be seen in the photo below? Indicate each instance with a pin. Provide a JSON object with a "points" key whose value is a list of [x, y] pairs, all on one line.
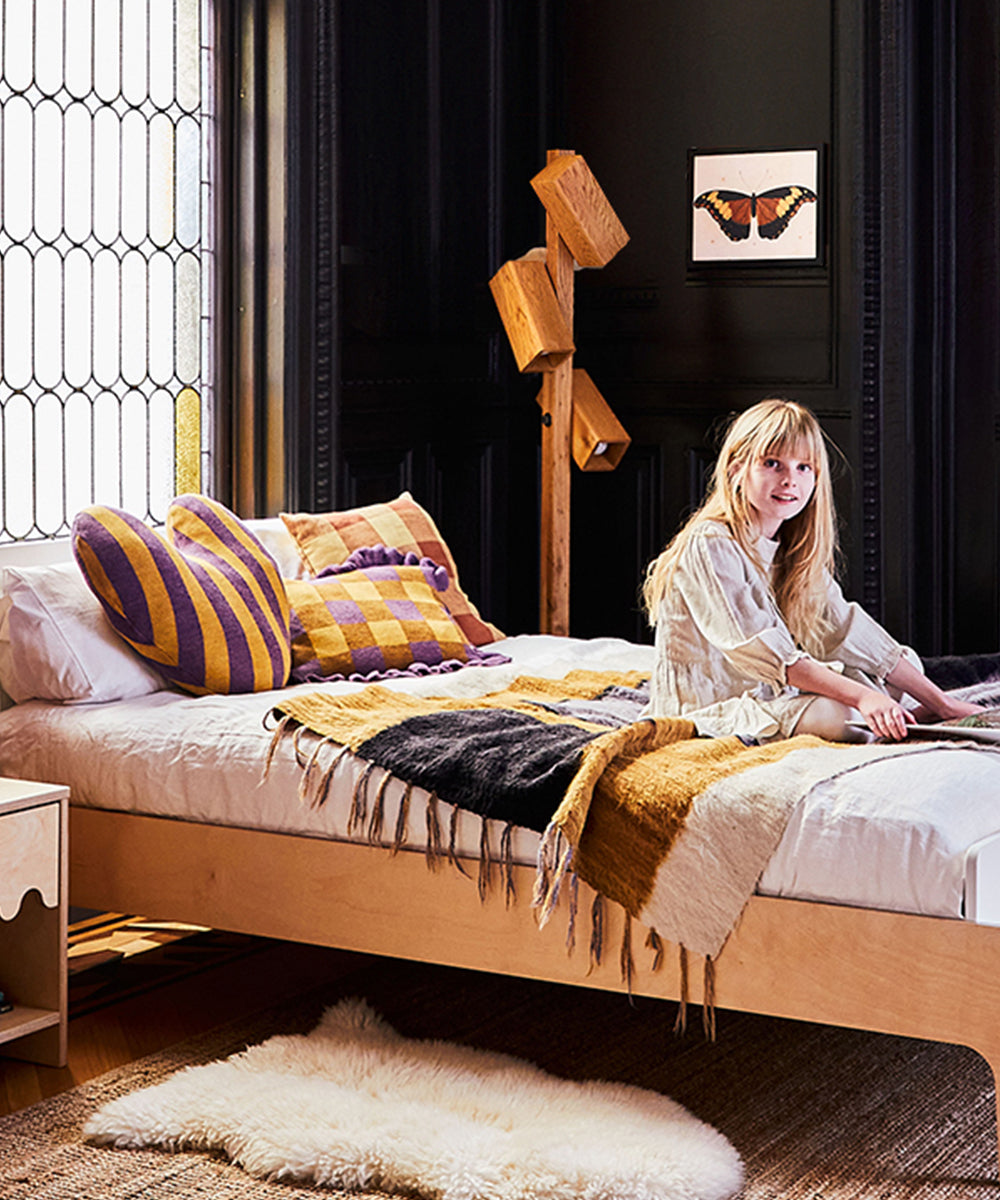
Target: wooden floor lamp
{"points": [[534, 295]]}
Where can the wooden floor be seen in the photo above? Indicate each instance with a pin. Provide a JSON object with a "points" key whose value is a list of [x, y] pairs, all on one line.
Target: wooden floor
{"points": [[131, 1028]]}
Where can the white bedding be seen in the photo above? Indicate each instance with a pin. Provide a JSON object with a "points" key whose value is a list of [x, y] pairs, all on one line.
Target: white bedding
{"points": [[893, 834]]}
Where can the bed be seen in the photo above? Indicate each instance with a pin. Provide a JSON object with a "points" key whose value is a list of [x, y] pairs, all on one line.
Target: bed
{"points": [[913, 951]]}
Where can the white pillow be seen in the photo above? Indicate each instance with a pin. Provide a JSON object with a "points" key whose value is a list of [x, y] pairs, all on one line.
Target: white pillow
{"points": [[57, 644], [273, 535]]}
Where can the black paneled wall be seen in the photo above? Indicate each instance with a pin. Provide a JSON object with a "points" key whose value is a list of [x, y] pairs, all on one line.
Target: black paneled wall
{"points": [[443, 110], [676, 349], [444, 114]]}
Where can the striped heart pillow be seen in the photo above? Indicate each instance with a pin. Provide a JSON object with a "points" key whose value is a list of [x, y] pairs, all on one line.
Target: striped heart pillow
{"points": [[207, 609]]}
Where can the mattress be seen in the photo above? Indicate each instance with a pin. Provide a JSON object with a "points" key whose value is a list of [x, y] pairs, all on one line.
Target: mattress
{"points": [[904, 834]]}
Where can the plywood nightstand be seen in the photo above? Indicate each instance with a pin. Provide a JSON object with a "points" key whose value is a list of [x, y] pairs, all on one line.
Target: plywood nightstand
{"points": [[33, 912]]}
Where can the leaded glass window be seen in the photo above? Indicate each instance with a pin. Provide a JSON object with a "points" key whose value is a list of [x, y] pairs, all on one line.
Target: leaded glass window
{"points": [[106, 132]]}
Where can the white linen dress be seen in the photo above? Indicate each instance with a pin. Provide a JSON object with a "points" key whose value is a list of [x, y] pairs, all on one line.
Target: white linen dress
{"points": [[723, 648]]}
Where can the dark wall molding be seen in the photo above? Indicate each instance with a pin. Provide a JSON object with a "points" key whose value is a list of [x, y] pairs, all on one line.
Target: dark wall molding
{"points": [[312, 374], [931, 266]]}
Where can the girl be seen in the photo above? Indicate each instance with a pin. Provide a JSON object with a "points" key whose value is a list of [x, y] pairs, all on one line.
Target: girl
{"points": [[753, 635]]}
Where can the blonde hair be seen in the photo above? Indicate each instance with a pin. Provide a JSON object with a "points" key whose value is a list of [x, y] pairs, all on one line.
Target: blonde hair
{"points": [[807, 542]]}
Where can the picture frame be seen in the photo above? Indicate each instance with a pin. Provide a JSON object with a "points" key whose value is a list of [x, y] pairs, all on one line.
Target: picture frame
{"points": [[756, 208]]}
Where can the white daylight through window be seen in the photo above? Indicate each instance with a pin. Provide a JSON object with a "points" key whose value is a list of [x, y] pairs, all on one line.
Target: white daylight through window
{"points": [[106, 143]]}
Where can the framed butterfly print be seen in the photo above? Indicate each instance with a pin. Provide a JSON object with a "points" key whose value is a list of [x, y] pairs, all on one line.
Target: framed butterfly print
{"points": [[756, 208]]}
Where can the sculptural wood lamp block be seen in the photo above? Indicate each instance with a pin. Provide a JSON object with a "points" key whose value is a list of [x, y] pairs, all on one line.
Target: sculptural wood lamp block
{"points": [[586, 221], [599, 438], [535, 300], [532, 319]]}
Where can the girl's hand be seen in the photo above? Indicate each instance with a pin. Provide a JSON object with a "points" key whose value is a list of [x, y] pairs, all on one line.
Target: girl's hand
{"points": [[883, 715]]}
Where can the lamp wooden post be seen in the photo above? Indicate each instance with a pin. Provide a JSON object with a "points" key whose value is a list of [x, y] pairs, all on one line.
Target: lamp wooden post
{"points": [[535, 301]]}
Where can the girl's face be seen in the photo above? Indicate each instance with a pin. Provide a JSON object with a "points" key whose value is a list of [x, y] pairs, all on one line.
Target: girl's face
{"points": [[779, 486]]}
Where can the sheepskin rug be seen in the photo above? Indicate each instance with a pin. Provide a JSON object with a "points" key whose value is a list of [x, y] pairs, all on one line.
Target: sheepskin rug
{"points": [[355, 1105]]}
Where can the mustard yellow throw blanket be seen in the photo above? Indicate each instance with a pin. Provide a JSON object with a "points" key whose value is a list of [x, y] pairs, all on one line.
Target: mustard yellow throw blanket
{"points": [[675, 828]]}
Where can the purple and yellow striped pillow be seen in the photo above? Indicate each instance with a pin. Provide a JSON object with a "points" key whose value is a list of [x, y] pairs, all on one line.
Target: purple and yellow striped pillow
{"points": [[207, 609]]}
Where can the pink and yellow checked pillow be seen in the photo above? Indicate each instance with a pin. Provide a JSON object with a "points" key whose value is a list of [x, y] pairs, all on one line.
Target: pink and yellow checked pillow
{"points": [[375, 616], [327, 539]]}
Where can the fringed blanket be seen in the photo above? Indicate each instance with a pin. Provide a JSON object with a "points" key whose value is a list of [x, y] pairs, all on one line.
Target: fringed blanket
{"points": [[675, 828]]}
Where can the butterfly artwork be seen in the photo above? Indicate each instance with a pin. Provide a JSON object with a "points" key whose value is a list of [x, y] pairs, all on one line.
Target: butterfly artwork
{"points": [[735, 212]]}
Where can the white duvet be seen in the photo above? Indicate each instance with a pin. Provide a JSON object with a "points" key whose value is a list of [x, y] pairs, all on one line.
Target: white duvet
{"points": [[893, 834]]}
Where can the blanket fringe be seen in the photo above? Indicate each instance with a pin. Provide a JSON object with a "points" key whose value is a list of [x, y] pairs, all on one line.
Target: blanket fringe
{"points": [[279, 732], [433, 852], [655, 943], [300, 757], [507, 864], [708, 1000], [453, 858], [625, 958], [378, 811], [596, 932], [484, 881], [311, 761], [680, 1024], [574, 900], [313, 794], [359, 800], [402, 832], [326, 779], [553, 865]]}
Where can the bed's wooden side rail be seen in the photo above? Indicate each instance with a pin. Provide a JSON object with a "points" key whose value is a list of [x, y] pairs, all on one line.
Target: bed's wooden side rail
{"points": [[920, 977]]}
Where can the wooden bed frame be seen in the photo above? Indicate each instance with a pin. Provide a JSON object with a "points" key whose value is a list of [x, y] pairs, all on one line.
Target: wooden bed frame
{"points": [[922, 977], [896, 973]]}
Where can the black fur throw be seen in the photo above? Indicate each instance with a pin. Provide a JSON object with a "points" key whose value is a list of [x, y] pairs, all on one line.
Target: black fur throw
{"points": [[951, 671]]}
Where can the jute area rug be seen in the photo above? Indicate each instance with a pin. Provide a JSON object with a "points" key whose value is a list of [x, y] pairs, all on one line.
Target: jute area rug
{"points": [[816, 1113]]}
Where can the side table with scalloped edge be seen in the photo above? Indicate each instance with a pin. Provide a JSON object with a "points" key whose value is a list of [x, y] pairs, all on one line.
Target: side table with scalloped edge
{"points": [[33, 915]]}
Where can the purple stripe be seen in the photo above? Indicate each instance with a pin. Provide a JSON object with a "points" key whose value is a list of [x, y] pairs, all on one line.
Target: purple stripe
{"points": [[136, 624], [121, 575], [206, 570], [243, 675], [241, 655], [226, 533], [238, 652]]}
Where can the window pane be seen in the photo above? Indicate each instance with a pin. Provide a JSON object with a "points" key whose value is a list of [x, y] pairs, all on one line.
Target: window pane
{"points": [[79, 178], [49, 455], [48, 313], [17, 29], [105, 304], [107, 49], [48, 170], [17, 168], [49, 45]]}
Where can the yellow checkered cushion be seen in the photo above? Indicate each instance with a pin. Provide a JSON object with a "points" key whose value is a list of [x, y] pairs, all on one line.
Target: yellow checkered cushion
{"points": [[327, 539], [377, 615]]}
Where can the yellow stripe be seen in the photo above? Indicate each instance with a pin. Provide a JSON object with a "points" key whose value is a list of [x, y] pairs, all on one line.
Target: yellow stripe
{"points": [[192, 525], [639, 802], [162, 618]]}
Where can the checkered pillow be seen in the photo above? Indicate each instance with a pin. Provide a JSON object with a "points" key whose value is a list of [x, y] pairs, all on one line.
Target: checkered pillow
{"points": [[376, 616], [326, 539]]}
